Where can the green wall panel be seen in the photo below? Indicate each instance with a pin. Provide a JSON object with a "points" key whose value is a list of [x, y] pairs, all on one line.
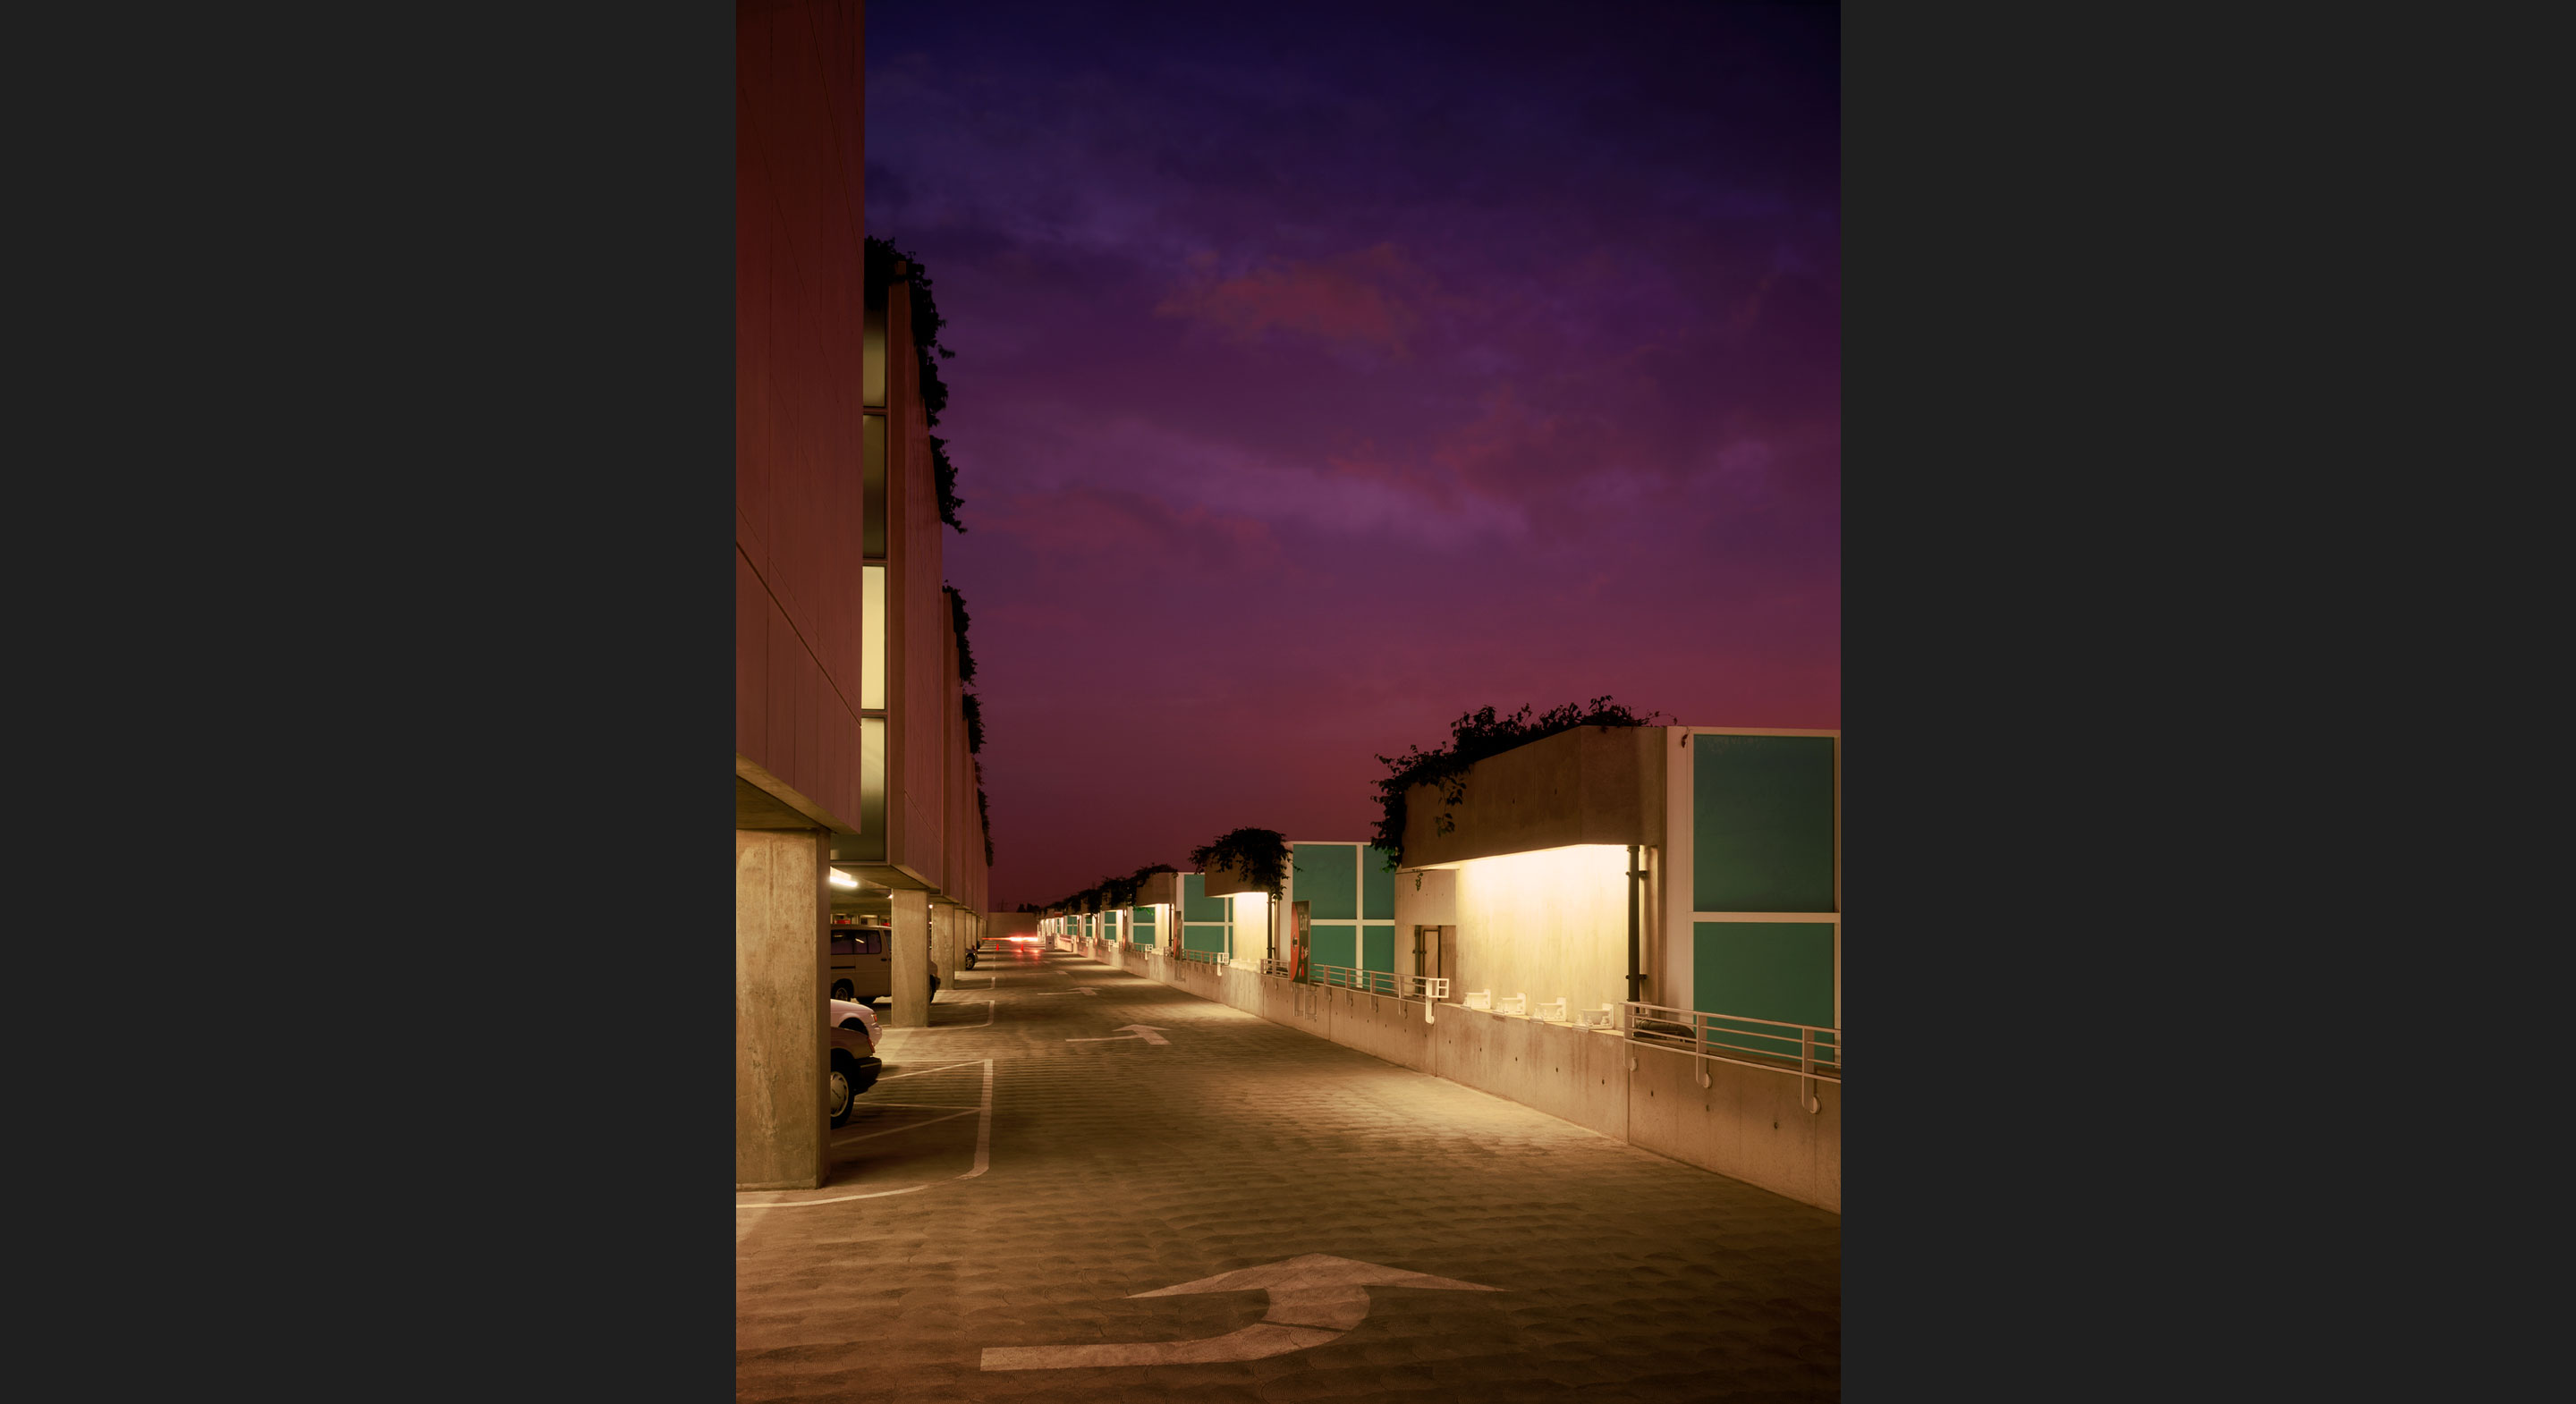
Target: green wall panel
{"points": [[1377, 948], [1334, 945], [1328, 881], [1762, 823], [1195, 937], [1140, 926], [1377, 886], [1765, 970], [1196, 905]]}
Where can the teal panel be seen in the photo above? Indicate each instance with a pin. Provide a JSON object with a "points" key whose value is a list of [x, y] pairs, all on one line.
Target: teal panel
{"points": [[1140, 926], [1762, 823], [1334, 945], [1377, 948], [1196, 905], [1765, 970], [1195, 937], [1377, 886], [1328, 882]]}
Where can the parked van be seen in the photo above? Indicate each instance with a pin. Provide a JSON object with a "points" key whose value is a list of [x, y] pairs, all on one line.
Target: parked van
{"points": [[862, 963]]}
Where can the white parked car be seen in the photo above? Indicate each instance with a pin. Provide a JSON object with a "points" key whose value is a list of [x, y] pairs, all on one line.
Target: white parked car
{"points": [[850, 1014]]}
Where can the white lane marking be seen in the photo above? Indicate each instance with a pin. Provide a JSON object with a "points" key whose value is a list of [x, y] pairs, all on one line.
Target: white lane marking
{"points": [[844, 1199], [983, 1148], [984, 1128], [1313, 1299], [1147, 1032], [917, 1072]]}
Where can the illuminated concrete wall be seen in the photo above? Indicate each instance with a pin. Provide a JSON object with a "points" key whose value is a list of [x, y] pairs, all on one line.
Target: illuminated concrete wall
{"points": [[1548, 924], [1251, 927]]}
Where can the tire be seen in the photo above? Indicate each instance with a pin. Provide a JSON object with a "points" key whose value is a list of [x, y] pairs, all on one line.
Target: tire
{"points": [[843, 989], [838, 1098]]}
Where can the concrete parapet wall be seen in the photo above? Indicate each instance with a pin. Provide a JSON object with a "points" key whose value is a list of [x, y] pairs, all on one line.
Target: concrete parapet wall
{"points": [[1747, 1124]]}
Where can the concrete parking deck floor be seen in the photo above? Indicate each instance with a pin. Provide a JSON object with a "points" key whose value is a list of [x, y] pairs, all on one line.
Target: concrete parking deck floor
{"points": [[1031, 1164]]}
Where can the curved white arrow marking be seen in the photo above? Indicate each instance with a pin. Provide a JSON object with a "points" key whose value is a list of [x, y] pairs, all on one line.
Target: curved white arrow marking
{"points": [[1313, 1299]]}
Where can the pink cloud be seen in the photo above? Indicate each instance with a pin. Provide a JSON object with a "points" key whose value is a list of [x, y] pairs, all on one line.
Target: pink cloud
{"points": [[1366, 298]]}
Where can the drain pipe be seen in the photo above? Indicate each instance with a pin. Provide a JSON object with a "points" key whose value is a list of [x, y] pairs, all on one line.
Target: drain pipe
{"points": [[1636, 977]]}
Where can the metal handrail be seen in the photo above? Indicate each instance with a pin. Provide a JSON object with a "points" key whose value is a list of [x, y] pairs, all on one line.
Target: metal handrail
{"points": [[1346, 977], [1427, 988], [1695, 1032], [1203, 957]]}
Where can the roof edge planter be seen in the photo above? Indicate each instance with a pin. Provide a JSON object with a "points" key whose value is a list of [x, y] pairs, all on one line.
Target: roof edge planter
{"points": [[1595, 784], [1246, 860]]}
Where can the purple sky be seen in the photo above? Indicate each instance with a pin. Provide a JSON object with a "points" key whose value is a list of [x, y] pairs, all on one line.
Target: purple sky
{"points": [[1316, 385]]}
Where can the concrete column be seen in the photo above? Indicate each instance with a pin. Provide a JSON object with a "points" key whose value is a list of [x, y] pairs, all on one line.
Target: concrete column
{"points": [[781, 959], [911, 959]]}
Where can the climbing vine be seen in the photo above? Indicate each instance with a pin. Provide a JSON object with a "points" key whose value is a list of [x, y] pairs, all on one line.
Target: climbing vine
{"points": [[882, 256], [1473, 737]]}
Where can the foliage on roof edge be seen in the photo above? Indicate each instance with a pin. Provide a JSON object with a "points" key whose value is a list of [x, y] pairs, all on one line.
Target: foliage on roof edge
{"points": [[1475, 736], [1260, 855]]}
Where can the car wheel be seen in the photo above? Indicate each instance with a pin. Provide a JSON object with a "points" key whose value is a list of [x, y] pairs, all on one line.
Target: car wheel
{"points": [[843, 989], [838, 1097]]}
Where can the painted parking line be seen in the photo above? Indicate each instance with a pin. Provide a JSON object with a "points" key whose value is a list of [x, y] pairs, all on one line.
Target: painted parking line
{"points": [[983, 1145], [924, 1072]]}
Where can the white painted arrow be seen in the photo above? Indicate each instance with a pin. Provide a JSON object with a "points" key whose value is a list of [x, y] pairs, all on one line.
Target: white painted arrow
{"points": [[1147, 1032], [1313, 1299]]}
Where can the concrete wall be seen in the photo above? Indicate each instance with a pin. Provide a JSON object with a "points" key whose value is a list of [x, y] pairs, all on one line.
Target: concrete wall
{"points": [[1747, 1124], [917, 666], [799, 320]]}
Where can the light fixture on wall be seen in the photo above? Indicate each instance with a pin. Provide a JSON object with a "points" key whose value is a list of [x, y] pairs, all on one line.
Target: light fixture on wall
{"points": [[842, 879]]}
